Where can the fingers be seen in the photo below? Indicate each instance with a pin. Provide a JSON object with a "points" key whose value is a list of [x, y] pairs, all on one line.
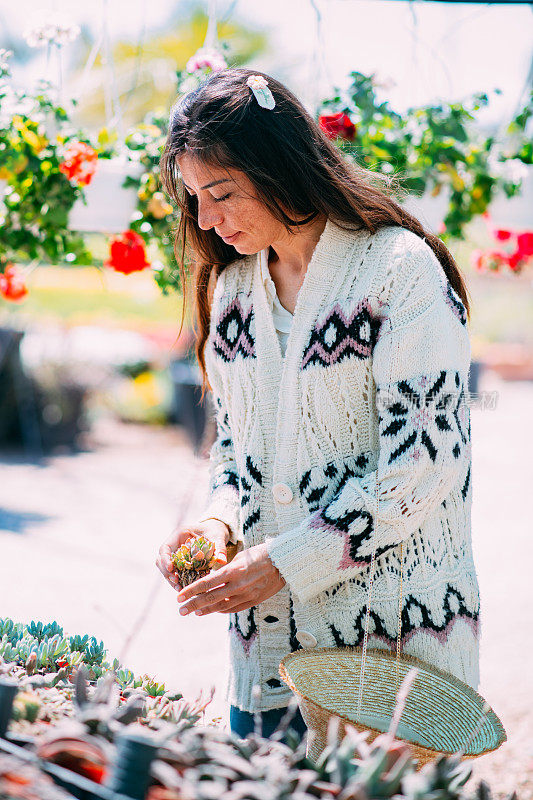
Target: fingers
{"points": [[232, 608], [212, 581], [225, 604]]}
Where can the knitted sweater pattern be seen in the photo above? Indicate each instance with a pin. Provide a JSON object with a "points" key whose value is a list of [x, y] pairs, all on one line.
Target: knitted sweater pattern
{"points": [[369, 401]]}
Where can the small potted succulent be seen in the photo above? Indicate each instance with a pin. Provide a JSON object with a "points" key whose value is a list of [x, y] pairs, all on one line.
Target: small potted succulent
{"points": [[194, 559]]}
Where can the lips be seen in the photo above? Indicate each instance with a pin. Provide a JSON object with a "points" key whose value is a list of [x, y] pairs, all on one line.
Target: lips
{"points": [[229, 239]]}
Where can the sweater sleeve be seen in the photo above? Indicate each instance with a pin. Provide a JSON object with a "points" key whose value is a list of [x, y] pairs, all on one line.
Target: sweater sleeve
{"points": [[420, 370]]}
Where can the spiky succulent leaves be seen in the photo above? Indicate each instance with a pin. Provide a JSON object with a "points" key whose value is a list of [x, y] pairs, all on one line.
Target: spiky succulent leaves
{"points": [[44, 630], [131, 710], [78, 643], [94, 653], [81, 683], [193, 559], [442, 779]]}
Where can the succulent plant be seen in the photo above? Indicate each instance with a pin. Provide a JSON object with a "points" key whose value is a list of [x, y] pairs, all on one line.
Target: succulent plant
{"points": [[149, 685], [193, 559], [43, 630], [26, 706], [94, 653], [102, 711], [11, 631], [44, 669], [78, 643]]}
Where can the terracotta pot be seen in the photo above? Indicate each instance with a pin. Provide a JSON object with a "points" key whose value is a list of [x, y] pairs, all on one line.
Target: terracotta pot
{"points": [[511, 361]]}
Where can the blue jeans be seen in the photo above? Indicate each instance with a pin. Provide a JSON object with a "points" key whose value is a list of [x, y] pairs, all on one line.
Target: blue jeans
{"points": [[242, 722]]}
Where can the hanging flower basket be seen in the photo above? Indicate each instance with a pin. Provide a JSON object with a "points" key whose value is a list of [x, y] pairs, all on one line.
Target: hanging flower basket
{"points": [[109, 206]]}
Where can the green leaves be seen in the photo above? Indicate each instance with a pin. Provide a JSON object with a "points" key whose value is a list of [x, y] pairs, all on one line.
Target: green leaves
{"points": [[432, 147]]}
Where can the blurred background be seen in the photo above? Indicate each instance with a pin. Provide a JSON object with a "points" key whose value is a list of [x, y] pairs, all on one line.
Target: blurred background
{"points": [[103, 439]]}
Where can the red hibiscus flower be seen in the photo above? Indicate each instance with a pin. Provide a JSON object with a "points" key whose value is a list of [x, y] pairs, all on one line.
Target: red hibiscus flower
{"points": [[337, 125], [524, 243], [127, 253], [12, 286], [502, 235], [79, 163]]}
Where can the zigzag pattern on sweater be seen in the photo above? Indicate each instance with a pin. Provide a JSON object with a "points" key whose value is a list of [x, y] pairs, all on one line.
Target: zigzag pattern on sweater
{"points": [[252, 476], [244, 627], [233, 332], [416, 618], [227, 477], [315, 482], [339, 335], [294, 644]]}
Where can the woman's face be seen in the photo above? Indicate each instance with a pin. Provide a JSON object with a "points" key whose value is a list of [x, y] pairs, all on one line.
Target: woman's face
{"points": [[227, 202]]}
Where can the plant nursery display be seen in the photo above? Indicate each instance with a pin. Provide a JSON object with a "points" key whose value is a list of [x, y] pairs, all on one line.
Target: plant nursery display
{"points": [[182, 759], [42, 660]]}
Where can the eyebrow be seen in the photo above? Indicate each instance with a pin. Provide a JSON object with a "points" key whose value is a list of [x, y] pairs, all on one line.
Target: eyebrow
{"points": [[208, 185]]}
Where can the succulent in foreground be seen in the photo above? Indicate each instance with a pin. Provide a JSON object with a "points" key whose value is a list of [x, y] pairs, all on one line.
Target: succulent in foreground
{"points": [[193, 559]]}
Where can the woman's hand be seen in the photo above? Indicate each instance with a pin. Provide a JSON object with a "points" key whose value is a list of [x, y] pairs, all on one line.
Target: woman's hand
{"points": [[213, 529], [248, 580]]}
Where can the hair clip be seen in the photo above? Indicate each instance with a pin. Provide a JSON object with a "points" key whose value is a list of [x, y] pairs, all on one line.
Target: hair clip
{"points": [[262, 93]]}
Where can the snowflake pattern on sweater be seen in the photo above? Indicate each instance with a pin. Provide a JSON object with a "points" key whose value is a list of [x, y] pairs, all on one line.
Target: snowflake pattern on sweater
{"points": [[364, 424]]}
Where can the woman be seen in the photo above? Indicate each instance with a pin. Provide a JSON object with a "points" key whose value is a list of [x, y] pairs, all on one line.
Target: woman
{"points": [[352, 441]]}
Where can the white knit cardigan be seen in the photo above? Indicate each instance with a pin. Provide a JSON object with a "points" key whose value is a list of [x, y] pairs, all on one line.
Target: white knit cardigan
{"points": [[371, 397]]}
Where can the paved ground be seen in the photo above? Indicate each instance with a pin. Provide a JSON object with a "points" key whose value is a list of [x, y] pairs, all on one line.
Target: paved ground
{"points": [[79, 534]]}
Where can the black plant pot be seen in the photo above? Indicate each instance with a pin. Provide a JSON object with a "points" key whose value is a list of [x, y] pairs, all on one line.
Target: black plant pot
{"points": [[474, 373], [188, 409], [38, 417]]}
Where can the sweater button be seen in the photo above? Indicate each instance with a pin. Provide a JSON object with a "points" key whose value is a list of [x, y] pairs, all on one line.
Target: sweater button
{"points": [[306, 639], [282, 493]]}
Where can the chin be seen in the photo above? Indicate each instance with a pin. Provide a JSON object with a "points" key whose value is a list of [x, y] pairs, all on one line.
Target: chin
{"points": [[248, 248]]}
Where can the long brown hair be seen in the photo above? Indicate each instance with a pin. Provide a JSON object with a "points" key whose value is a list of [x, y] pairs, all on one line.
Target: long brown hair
{"points": [[295, 169]]}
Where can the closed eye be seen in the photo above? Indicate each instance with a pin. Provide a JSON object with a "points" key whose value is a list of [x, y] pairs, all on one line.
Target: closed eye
{"points": [[224, 197]]}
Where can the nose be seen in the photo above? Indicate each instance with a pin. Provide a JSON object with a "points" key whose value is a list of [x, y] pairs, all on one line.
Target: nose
{"points": [[208, 215]]}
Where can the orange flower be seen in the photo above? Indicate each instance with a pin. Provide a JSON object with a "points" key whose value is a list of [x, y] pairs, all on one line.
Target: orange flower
{"points": [[79, 163], [12, 286], [127, 253]]}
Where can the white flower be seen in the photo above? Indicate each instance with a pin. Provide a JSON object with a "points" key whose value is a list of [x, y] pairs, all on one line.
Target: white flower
{"points": [[512, 170], [51, 31], [257, 82]]}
